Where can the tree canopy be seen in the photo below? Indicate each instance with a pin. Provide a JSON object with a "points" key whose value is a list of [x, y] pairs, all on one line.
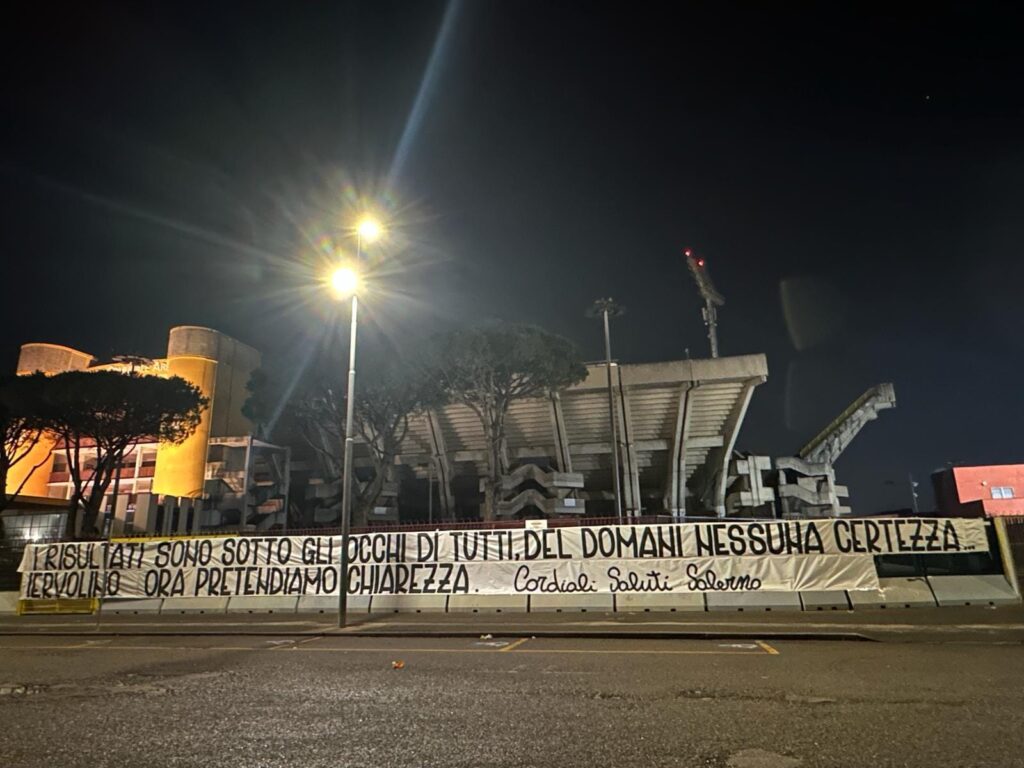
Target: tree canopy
{"points": [[99, 416], [21, 427], [390, 387], [257, 406], [486, 367]]}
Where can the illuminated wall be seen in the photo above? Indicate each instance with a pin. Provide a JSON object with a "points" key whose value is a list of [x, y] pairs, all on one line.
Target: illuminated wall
{"points": [[49, 359], [217, 364], [995, 490], [180, 469], [235, 363], [36, 485]]}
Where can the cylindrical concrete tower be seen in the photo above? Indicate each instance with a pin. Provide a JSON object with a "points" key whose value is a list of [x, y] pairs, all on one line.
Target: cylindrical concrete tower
{"points": [[220, 367]]}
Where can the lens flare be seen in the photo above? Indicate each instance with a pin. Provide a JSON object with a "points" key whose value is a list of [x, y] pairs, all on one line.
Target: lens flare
{"points": [[344, 281], [369, 229]]}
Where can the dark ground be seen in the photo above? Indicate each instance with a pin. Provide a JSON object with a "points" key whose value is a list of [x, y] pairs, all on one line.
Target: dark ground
{"points": [[336, 701], [965, 624]]}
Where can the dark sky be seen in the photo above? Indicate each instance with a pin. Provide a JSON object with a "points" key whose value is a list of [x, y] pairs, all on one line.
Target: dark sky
{"points": [[854, 175]]}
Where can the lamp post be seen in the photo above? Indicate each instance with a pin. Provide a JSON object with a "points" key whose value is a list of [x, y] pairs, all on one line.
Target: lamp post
{"points": [[605, 308], [345, 281]]}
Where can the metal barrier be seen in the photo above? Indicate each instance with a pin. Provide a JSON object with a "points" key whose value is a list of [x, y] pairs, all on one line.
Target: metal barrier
{"points": [[1013, 527], [60, 605], [10, 558]]}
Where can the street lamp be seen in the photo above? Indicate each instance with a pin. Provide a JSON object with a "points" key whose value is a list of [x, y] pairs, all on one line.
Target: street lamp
{"points": [[369, 230], [346, 282], [605, 308]]}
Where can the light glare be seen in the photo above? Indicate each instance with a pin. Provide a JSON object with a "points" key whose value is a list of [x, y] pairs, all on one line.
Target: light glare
{"points": [[369, 229], [345, 281]]}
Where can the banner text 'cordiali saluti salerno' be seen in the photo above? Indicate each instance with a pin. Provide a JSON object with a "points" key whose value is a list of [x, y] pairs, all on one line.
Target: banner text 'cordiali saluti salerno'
{"points": [[688, 557]]}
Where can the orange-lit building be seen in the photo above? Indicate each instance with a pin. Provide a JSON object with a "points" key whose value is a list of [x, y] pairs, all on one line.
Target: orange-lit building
{"points": [[217, 473], [989, 491]]}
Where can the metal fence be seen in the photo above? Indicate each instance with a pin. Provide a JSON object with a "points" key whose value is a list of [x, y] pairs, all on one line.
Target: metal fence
{"points": [[10, 557], [439, 525], [941, 564]]}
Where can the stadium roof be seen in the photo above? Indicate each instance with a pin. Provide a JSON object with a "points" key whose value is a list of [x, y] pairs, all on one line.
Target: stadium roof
{"points": [[674, 418]]}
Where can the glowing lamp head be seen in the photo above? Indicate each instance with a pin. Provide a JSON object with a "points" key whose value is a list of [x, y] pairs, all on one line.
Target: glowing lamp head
{"points": [[700, 262], [688, 252], [369, 229], [344, 281]]}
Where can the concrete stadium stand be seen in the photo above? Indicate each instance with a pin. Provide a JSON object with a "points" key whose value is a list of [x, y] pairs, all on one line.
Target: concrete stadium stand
{"points": [[262, 604], [194, 605], [582, 603], [131, 605], [825, 600], [487, 604], [659, 603], [409, 604], [972, 590], [329, 604], [9, 602], [753, 601], [895, 593]]}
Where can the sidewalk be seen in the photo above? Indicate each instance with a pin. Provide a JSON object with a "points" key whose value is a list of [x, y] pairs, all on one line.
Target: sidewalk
{"points": [[968, 624]]}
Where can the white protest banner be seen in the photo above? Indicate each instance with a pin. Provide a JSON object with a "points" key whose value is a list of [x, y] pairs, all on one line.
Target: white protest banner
{"points": [[689, 557]]}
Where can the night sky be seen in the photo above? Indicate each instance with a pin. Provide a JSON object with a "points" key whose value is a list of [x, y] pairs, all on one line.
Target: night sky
{"points": [[854, 176]]}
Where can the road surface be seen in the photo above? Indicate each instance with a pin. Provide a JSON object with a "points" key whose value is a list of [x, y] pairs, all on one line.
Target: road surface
{"points": [[339, 701]]}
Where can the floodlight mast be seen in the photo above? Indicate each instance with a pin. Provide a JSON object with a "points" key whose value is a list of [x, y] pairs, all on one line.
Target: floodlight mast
{"points": [[712, 298]]}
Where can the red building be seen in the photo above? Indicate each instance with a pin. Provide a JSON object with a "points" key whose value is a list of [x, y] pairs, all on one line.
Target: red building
{"points": [[992, 491]]}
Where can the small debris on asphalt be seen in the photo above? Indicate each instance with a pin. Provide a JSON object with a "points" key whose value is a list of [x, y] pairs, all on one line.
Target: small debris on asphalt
{"points": [[796, 699], [398, 665]]}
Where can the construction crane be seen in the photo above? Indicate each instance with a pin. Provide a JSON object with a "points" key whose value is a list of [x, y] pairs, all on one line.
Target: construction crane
{"points": [[712, 298]]}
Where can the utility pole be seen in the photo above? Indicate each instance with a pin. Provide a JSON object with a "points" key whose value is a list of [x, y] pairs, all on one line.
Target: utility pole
{"points": [[913, 492], [712, 298], [606, 308], [430, 491]]}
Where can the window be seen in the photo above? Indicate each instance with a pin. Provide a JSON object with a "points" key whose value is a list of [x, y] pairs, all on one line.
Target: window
{"points": [[1002, 492], [33, 527]]}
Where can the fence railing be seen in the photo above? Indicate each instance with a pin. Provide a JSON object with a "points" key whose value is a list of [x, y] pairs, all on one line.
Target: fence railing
{"points": [[412, 527], [10, 557]]}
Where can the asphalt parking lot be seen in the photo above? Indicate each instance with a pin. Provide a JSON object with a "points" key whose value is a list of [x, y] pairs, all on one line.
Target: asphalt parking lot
{"points": [[494, 701]]}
